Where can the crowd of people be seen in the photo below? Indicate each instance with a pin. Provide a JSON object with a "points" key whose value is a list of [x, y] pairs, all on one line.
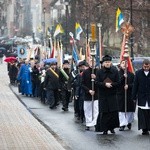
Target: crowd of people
{"points": [[105, 97]]}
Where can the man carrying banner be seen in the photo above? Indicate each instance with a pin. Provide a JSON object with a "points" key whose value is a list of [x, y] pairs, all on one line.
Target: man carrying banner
{"points": [[90, 107], [79, 92], [126, 116], [65, 85]]}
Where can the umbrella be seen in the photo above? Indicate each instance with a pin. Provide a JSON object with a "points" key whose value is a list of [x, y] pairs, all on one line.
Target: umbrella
{"points": [[10, 59], [12, 55], [50, 60], [2, 48]]}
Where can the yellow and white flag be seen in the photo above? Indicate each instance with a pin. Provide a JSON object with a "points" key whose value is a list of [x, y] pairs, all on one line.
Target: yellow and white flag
{"points": [[58, 30]]}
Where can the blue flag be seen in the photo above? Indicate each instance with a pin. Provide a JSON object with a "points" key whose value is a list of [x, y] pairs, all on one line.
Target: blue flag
{"points": [[97, 57], [75, 55]]}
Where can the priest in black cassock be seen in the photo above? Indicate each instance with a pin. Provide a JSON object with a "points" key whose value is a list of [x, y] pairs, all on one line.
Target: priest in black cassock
{"points": [[107, 80], [141, 93]]}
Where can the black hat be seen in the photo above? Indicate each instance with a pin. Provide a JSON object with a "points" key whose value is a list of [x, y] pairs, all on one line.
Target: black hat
{"points": [[106, 58], [82, 63], [66, 62]]}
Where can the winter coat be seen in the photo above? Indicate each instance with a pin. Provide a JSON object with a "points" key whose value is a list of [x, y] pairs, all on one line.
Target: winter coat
{"points": [[141, 88], [121, 92], [51, 81], [107, 96], [87, 84], [35, 74], [13, 71]]}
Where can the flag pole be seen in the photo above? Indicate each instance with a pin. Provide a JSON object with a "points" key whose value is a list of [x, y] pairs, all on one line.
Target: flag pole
{"points": [[100, 42], [127, 30], [126, 56], [93, 53]]}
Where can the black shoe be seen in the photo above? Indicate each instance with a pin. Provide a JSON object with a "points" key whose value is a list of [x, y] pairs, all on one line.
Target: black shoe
{"points": [[105, 132], [122, 128], [145, 132], [129, 126], [52, 107], [65, 109], [87, 128], [112, 131]]}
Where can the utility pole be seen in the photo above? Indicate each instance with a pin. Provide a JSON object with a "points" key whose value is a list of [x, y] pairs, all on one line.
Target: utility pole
{"points": [[66, 38], [44, 24]]}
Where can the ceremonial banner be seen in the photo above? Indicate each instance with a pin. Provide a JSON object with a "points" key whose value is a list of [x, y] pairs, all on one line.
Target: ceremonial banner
{"points": [[22, 51], [130, 65]]}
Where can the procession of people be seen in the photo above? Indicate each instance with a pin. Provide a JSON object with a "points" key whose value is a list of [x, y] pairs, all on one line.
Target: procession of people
{"points": [[102, 106]]}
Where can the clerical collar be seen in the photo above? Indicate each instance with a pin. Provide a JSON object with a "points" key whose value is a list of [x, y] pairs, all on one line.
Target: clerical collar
{"points": [[146, 72]]}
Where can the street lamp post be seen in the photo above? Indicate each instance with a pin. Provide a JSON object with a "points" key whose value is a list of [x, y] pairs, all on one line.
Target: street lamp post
{"points": [[44, 10], [66, 44]]}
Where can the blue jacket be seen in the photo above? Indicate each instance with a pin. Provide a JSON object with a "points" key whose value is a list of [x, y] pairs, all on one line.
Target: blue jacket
{"points": [[24, 76]]}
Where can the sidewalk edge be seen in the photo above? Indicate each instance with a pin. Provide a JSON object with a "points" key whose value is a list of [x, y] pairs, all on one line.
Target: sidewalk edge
{"points": [[55, 135]]}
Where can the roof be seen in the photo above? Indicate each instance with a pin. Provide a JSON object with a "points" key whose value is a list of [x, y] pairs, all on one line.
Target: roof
{"points": [[53, 2]]}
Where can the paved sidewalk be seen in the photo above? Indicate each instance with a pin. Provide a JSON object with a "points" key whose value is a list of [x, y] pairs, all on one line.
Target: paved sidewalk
{"points": [[19, 130]]}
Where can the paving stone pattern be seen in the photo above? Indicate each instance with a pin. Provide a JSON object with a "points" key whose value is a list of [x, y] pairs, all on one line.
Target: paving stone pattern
{"points": [[19, 130]]}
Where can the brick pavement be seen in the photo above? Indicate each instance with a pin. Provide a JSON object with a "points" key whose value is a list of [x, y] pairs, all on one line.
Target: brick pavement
{"points": [[19, 130]]}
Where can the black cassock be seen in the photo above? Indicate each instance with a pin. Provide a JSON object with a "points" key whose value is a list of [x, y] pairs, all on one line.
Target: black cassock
{"points": [[121, 92], [108, 118]]}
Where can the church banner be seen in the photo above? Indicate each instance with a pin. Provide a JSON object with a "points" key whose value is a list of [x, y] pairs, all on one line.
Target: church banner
{"points": [[22, 51]]}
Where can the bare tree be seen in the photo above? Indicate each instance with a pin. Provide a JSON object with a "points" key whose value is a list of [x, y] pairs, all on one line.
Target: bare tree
{"points": [[103, 11]]}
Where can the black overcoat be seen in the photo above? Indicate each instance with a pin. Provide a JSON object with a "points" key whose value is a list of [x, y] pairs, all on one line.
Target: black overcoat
{"points": [[51, 81], [141, 88], [107, 96], [87, 84], [121, 92]]}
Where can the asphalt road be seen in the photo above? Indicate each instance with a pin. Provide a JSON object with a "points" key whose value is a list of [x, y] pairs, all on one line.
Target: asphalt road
{"points": [[73, 135]]}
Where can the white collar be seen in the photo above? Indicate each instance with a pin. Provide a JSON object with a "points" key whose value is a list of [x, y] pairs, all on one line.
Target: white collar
{"points": [[146, 72]]}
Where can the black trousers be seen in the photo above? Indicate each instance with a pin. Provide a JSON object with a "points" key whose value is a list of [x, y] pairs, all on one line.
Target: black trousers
{"points": [[65, 95], [144, 119], [52, 97]]}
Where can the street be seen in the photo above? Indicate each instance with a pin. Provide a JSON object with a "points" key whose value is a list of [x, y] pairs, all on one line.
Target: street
{"points": [[73, 135], [100, 49]]}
